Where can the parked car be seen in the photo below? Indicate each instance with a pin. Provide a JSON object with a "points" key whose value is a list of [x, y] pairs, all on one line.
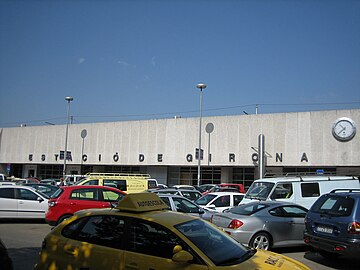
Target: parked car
{"points": [[50, 181], [333, 224], [22, 202], [192, 194], [44, 188], [302, 190], [224, 186], [69, 199], [187, 187], [264, 225], [181, 204], [141, 234], [220, 201], [206, 187]]}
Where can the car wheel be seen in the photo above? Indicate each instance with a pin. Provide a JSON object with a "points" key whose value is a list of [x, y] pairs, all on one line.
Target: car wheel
{"points": [[328, 255], [261, 241], [63, 218]]}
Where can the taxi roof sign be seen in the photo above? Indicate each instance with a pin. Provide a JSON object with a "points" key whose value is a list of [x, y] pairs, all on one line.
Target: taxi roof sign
{"points": [[141, 202]]}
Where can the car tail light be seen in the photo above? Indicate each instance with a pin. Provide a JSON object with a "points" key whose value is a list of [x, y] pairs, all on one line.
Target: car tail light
{"points": [[235, 224], [354, 228]]}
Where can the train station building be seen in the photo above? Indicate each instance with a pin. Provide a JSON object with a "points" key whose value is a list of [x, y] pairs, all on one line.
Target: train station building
{"points": [[294, 143]]}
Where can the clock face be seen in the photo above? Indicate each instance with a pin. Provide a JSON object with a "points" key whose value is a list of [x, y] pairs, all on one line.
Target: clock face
{"points": [[344, 129]]}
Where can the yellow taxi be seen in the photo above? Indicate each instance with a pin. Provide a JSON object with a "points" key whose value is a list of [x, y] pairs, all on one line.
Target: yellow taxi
{"points": [[140, 234]]}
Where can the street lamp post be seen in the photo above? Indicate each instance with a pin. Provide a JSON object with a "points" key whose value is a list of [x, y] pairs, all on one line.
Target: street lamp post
{"points": [[201, 86], [68, 99]]}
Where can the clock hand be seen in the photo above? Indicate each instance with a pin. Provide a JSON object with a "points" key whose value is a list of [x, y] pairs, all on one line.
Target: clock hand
{"points": [[343, 128]]}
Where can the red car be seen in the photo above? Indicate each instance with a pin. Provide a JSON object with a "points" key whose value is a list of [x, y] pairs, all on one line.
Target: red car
{"points": [[69, 199]]}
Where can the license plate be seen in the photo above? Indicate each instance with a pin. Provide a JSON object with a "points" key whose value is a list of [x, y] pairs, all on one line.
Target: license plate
{"points": [[324, 229]]}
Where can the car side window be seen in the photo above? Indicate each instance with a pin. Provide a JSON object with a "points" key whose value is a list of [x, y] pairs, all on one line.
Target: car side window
{"points": [[7, 193], [289, 211], [110, 196], [185, 206], [222, 201], [310, 190], [84, 194], [167, 201], [115, 183], [99, 230], [25, 194], [282, 191], [94, 182], [151, 239], [238, 199]]}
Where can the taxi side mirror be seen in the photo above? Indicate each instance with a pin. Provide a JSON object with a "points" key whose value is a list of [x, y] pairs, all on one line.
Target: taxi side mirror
{"points": [[182, 256]]}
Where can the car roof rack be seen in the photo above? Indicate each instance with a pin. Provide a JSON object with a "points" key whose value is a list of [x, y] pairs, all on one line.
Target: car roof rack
{"points": [[345, 190]]}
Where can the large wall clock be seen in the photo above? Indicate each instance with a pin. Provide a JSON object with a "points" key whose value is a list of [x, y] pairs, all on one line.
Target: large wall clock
{"points": [[344, 129]]}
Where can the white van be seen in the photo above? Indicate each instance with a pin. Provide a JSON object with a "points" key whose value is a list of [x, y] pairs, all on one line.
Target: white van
{"points": [[302, 190], [2, 177]]}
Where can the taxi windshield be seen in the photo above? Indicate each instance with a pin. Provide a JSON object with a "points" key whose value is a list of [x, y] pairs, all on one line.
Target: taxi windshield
{"points": [[219, 247], [259, 190]]}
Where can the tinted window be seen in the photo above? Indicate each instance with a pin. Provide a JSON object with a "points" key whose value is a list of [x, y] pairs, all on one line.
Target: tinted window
{"points": [[167, 201], [190, 195], [185, 206], [152, 239], [7, 193], [99, 230], [222, 201], [91, 183], [289, 211], [334, 205], [25, 194], [238, 199], [310, 190], [84, 194], [119, 184], [247, 209]]}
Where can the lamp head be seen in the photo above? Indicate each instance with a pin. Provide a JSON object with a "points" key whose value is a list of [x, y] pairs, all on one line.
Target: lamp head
{"points": [[201, 86], [68, 99]]}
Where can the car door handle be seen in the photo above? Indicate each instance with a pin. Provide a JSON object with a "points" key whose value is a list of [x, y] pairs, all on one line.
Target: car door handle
{"points": [[132, 266]]}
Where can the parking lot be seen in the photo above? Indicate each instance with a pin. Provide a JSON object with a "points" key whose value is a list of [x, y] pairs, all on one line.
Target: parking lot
{"points": [[23, 240]]}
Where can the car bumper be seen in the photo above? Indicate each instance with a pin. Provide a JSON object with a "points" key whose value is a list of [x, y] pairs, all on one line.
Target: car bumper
{"points": [[51, 222], [350, 247]]}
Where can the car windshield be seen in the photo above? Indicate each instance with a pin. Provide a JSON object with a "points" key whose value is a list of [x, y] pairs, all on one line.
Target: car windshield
{"points": [[57, 193], [259, 190], [218, 246], [204, 200]]}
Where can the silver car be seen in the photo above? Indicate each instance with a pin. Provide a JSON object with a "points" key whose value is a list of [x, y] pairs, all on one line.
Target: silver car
{"points": [[264, 224], [180, 204]]}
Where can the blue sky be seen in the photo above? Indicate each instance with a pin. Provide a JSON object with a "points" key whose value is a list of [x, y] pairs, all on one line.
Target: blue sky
{"points": [[126, 60]]}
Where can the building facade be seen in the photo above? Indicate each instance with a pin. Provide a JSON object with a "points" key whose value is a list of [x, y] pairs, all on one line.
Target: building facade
{"points": [[304, 142]]}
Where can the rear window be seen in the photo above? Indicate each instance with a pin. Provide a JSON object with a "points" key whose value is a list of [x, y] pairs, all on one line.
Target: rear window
{"points": [[247, 209], [334, 206]]}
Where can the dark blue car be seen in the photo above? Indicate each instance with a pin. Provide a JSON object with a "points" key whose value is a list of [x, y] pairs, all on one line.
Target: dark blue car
{"points": [[332, 225]]}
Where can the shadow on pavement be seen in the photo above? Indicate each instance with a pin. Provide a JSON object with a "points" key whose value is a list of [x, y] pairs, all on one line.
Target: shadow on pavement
{"points": [[24, 258]]}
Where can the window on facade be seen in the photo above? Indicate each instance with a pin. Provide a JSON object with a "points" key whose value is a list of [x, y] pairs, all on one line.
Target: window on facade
{"points": [[84, 194], [310, 190]]}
